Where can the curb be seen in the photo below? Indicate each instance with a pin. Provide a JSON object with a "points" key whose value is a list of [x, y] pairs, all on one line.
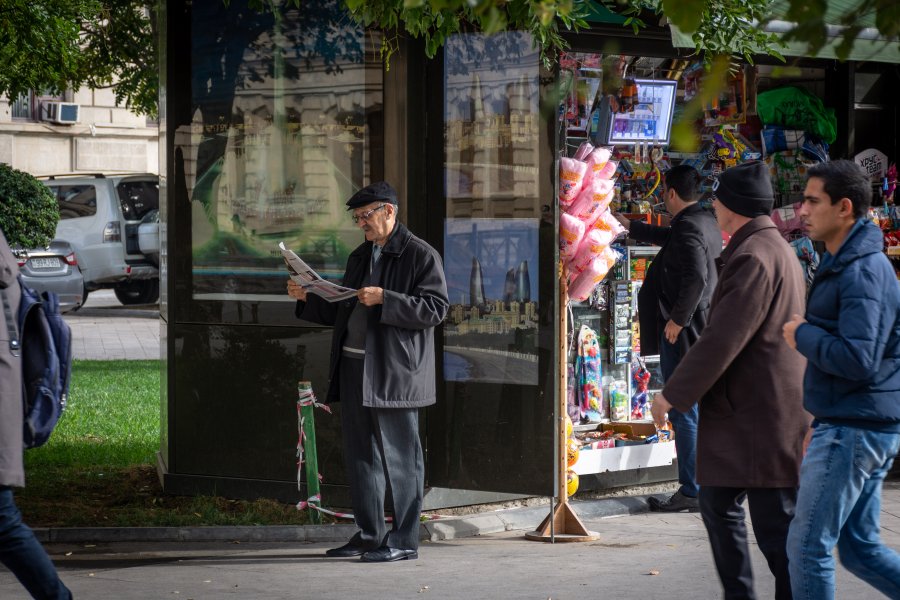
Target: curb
{"points": [[513, 519]]}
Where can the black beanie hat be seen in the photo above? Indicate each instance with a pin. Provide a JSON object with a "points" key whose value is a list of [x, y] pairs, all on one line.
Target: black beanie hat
{"points": [[379, 191], [746, 189]]}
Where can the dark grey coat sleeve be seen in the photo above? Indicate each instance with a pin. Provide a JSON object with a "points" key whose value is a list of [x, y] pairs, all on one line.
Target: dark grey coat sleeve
{"points": [[426, 304]]}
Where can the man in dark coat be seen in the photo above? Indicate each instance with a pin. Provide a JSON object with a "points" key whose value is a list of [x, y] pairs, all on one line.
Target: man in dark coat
{"points": [[673, 305], [851, 338], [20, 551], [752, 422], [382, 371]]}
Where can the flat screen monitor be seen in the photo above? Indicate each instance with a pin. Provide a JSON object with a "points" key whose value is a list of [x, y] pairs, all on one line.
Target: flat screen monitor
{"points": [[651, 119]]}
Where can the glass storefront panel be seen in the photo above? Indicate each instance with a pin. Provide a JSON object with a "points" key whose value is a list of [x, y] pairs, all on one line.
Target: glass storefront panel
{"points": [[498, 247], [286, 125]]}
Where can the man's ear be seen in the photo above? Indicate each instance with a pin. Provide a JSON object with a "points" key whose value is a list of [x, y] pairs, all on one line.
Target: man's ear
{"points": [[846, 207]]}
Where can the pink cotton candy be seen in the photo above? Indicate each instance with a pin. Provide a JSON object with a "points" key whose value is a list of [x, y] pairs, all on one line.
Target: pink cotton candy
{"points": [[571, 230], [607, 171], [580, 289], [571, 177], [592, 245], [596, 160], [607, 222], [584, 150], [592, 200]]}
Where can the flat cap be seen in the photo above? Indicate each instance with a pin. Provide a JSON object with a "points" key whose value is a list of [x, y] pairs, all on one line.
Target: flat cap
{"points": [[380, 191]]}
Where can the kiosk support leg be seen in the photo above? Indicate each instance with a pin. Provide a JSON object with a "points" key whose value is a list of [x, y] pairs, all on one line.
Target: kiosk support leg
{"points": [[562, 524]]}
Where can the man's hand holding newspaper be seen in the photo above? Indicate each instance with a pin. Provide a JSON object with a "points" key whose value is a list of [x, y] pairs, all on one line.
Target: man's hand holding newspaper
{"points": [[310, 281]]}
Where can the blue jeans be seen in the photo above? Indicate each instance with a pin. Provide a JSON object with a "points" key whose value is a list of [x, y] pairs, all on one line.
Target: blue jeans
{"points": [[24, 556], [685, 423], [840, 504]]}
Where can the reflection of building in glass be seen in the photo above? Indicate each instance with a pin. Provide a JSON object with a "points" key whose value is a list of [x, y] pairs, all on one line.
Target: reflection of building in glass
{"points": [[503, 315], [492, 132], [518, 284], [476, 284], [295, 137]]}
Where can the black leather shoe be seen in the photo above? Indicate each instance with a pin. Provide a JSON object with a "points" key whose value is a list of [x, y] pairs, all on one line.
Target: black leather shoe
{"points": [[387, 554], [346, 551], [676, 503]]}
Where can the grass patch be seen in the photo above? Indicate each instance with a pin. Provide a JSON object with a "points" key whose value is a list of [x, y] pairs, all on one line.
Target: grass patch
{"points": [[98, 469]]}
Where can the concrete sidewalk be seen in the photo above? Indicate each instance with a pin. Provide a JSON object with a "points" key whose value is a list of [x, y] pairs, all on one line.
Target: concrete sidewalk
{"points": [[639, 555], [103, 329]]}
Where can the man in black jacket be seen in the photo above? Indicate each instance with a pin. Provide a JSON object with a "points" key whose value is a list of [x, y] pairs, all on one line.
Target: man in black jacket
{"points": [[382, 371], [673, 305]]}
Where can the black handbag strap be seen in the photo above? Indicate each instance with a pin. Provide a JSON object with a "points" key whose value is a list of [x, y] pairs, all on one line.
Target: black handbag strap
{"points": [[14, 346]]}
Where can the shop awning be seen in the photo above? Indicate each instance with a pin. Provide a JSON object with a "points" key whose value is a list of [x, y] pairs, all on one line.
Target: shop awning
{"points": [[870, 45]]}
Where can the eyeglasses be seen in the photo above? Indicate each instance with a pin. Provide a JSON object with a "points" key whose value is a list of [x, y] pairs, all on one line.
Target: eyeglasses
{"points": [[365, 216]]}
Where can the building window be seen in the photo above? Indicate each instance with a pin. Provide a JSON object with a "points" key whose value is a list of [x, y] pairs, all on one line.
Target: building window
{"points": [[23, 107], [28, 106]]}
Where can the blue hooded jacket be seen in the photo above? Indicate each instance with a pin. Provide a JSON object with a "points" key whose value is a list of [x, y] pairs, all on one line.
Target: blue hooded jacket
{"points": [[852, 335]]}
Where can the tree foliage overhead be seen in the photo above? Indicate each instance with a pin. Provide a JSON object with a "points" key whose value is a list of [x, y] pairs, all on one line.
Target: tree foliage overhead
{"points": [[39, 44], [51, 45], [54, 45]]}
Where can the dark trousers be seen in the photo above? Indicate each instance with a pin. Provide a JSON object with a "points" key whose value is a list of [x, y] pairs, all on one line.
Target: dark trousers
{"points": [[771, 511], [22, 554], [383, 454], [684, 423]]}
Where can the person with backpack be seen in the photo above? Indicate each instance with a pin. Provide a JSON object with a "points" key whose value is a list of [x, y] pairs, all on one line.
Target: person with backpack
{"points": [[20, 550]]}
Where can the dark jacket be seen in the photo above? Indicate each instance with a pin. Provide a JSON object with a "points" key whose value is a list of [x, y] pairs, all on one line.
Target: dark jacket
{"points": [[681, 278], [12, 470], [750, 382], [852, 335], [399, 364]]}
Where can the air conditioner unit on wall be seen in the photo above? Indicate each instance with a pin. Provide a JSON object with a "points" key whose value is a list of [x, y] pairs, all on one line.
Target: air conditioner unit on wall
{"points": [[62, 113]]}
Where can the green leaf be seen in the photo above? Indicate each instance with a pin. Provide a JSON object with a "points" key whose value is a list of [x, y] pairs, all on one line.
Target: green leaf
{"points": [[685, 14]]}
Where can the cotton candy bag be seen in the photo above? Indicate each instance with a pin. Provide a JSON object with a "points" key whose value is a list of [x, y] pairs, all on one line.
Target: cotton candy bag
{"points": [[571, 230], [584, 284], [571, 178], [592, 245], [592, 201]]}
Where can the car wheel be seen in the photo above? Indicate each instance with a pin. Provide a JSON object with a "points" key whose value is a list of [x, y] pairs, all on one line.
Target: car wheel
{"points": [[138, 292]]}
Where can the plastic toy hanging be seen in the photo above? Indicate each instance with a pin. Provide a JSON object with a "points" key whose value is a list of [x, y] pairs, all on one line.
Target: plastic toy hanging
{"points": [[640, 400], [588, 370]]}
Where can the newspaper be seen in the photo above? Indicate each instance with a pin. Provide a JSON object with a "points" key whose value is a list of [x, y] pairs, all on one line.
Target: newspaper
{"points": [[305, 277]]}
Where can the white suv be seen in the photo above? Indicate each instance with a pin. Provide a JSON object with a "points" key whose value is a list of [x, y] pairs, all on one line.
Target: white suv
{"points": [[100, 216]]}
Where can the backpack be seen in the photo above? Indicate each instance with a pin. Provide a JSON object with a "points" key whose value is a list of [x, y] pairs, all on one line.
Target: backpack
{"points": [[45, 343]]}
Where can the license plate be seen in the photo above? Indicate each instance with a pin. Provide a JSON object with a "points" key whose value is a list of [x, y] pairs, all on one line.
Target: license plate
{"points": [[45, 263]]}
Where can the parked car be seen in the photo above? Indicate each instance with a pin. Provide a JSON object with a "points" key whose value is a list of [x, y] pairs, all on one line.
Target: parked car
{"points": [[54, 269], [101, 217]]}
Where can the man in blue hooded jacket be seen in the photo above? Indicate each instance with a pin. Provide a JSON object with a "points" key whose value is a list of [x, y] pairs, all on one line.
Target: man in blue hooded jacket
{"points": [[851, 339]]}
